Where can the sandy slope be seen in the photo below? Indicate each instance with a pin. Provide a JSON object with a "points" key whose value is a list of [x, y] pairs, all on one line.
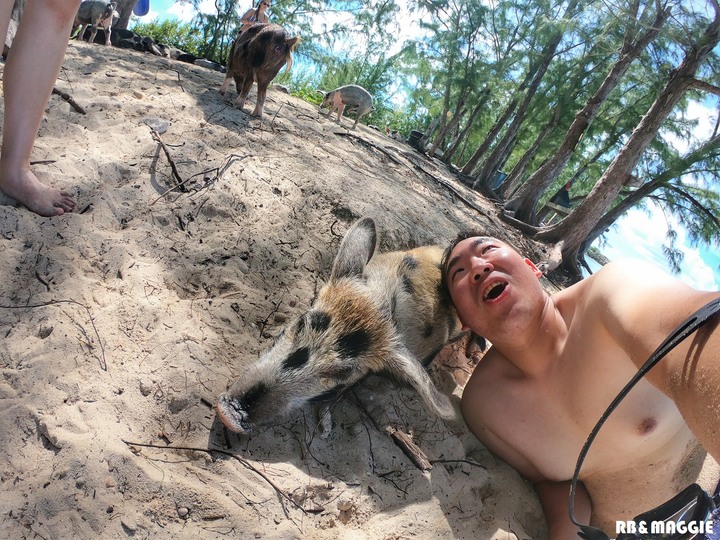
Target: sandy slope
{"points": [[142, 309]]}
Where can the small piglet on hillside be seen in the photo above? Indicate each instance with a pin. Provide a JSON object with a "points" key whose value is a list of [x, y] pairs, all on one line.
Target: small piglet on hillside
{"points": [[95, 13], [382, 313], [353, 97], [257, 54]]}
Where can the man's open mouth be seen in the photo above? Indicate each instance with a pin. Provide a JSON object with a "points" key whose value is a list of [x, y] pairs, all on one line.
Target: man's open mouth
{"points": [[494, 290]]}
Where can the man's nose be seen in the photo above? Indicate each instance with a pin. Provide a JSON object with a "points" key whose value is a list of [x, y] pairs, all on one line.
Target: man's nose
{"points": [[480, 268]]}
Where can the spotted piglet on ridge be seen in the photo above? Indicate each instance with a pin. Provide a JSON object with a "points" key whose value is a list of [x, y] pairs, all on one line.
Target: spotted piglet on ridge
{"points": [[377, 314]]}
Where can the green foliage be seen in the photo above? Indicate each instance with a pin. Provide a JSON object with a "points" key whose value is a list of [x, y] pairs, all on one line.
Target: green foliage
{"points": [[463, 54], [174, 33]]}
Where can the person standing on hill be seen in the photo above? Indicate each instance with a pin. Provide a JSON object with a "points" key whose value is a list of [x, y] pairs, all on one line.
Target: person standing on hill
{"points": [[32, 66], [255, 16]]}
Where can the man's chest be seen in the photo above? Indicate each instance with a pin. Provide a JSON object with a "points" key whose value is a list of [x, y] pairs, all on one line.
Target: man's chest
{"points": [[548, 419]]}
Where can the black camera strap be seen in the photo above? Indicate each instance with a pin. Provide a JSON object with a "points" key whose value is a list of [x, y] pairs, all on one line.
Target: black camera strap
{"points": [[695, 321]]}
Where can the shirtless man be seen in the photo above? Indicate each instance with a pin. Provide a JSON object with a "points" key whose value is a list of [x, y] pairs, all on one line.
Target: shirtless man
{"points": [[558, 361], [29, 75]]}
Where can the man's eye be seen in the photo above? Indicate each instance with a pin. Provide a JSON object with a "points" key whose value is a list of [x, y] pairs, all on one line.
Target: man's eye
{"points": [[457, 272], [485, 249]]}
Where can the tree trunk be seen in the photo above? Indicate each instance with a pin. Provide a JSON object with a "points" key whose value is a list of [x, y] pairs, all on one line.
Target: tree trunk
{"points": [[524, 201], [422, 143], [511, 183], [472, 162], [503, 149], [124, 9], [450, 152], [661, 181], [499, 124], [578, 225], [459, 112]]}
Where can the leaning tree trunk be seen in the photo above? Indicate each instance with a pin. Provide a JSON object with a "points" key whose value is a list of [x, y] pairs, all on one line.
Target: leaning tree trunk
{"points": [[504, 148], [524, 201], [578, 225], [660, 182], [511, 183], [490, 137], [499, 124], [454, 147], [448, 127], [124, 9]]}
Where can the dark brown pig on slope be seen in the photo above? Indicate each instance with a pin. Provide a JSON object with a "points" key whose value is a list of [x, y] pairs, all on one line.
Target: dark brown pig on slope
{"points": [[257, 55], [382, 313]]}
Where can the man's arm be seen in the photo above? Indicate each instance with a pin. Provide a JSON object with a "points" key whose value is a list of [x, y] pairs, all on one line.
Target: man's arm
{"points": [[554, 498]]}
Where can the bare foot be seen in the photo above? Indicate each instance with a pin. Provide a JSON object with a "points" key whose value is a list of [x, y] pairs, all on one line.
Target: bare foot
{"points": [[36, 196]]}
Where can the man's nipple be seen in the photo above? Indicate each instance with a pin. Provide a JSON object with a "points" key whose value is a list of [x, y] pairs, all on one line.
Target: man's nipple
{"points": [[647, 425]]}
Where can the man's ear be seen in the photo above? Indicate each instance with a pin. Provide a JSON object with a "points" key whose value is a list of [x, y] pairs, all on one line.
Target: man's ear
{"points": [[534, 268]]}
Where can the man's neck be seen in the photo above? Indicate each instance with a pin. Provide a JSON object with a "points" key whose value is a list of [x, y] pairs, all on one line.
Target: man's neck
{"points": [[534, 349]]}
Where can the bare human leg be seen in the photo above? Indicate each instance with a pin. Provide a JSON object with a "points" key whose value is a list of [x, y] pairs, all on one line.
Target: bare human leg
{"points": [[31, 69]]}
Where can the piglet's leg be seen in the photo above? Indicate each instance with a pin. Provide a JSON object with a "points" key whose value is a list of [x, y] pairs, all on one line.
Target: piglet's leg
{"points": [[341, 108], [407, 368], [244, 91], [263, 81], [261, 93], [226, 83]]}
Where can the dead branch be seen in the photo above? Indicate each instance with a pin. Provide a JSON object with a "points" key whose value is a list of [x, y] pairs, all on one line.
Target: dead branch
{"points": [[473, 463], [400, 438], [219, 171], [409, 448], [264, 322], [371, 145], [440, 181], [275, 115], [103, 362], [242, 461], [69, 99], [176, 174]]}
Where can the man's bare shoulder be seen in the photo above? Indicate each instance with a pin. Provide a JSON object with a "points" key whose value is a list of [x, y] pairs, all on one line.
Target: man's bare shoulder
{"points": [[631, 288]]}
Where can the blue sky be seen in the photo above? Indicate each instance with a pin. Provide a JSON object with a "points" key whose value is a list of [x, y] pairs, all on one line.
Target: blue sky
{"points": [[640, 235], [176, 9], [637, 235]]}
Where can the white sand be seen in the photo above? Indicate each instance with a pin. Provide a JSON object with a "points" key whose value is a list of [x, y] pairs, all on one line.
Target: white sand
{"points": [[143, 309]]}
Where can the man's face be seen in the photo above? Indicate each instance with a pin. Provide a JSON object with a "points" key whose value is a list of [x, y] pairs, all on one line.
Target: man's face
{"points": [[487, 279]]}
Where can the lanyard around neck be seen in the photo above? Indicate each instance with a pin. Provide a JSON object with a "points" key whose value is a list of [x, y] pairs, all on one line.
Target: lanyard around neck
{"points": [[692, 323]]}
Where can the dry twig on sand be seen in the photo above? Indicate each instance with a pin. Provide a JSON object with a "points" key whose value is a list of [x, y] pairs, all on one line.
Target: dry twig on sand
{"points": [[245, 463], [219, 171], [176, 174], [103, 362], [69, 99], [400, 438]]}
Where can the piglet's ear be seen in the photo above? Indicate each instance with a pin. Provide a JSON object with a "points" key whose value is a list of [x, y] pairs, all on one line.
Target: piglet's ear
{"points": [[292, 43], [356, 249]]}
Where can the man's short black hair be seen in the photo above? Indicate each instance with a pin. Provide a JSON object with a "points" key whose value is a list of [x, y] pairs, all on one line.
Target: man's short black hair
{"points": [[445, 260], [445, 290]]}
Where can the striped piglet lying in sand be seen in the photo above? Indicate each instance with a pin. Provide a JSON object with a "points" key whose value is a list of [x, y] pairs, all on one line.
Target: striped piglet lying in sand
{"points": [[380, 313]]}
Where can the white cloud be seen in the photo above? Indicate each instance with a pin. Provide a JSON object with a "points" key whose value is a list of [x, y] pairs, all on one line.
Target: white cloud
{"points": [[183, 11], [705, 114], [639, 235]]}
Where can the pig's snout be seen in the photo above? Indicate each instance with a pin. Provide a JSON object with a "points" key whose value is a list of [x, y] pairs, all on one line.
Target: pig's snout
{"points": [[233, 415]]}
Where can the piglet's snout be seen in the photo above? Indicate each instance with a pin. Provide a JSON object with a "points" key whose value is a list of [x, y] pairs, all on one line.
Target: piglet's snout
{"points": [[233, 415]]}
